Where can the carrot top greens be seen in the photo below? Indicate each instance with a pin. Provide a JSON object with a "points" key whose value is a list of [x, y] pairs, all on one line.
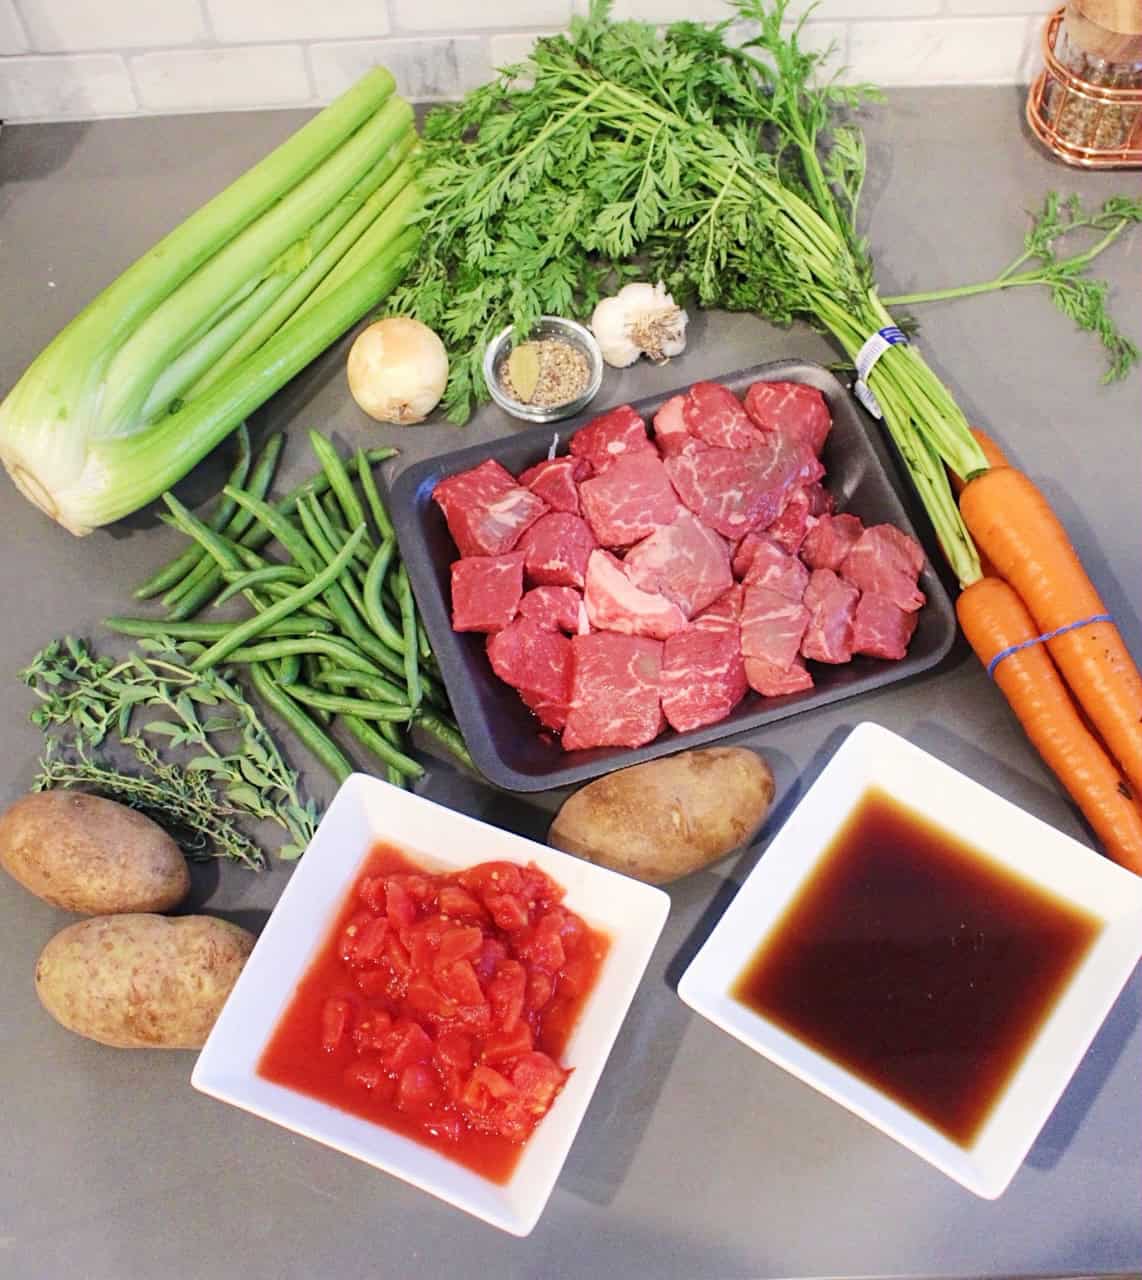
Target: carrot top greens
{"points": [[730, 171]]}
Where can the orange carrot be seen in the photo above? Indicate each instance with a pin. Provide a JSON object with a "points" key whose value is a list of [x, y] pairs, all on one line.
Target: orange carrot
{"points": [[1012, 524], [994, 618]]}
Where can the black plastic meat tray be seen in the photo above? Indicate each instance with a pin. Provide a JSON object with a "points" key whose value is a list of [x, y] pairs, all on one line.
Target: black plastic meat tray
{"points": [[505, 740]]}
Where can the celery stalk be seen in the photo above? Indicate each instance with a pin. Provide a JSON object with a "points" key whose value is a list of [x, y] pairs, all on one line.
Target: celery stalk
{"points": [[156, 459], [261, 310], [326, 256], [130, 374]]}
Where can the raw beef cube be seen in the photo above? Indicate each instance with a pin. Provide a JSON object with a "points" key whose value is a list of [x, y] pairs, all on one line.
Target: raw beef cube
{"points": [[552, 715], [630, 501], [486, 591], [615, 698], [553, 608], [777, 571], [830, 540], [555, 550], [832, 605], [880, 629], [724, 614], [670, 430], [556, 482], [715, 416], [614, 603], [888, 562], [486, 510], [684, 560], [744, 552], [772, 626], [790, 408], [791, 526], [613, 435], [533, 660], [772, 682], [735, 490], [820, 500], [703, 677]]}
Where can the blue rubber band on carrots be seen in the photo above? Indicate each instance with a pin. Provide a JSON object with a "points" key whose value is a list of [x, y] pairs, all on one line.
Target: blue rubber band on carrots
{"points": [[1049, 635]]}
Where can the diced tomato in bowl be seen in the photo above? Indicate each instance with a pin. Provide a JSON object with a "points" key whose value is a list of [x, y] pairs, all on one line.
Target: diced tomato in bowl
{"points": [[435, 997]]}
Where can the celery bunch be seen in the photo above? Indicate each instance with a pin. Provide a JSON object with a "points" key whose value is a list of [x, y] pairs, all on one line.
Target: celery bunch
{"points": [[221, 313]]}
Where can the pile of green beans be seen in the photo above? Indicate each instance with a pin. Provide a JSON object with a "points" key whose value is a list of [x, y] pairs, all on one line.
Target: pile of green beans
{"points": [[333, 639]]}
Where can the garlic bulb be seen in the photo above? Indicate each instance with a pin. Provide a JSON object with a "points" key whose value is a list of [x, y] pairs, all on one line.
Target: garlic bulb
{"points": [[641, 319]]}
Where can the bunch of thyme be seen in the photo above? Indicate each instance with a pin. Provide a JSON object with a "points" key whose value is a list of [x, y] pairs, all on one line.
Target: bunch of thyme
{"points": [[234, 770]]}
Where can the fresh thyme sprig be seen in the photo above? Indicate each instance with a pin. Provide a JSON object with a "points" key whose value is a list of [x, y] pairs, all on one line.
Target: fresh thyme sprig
{"points": [[85, 698], [182, 800]]}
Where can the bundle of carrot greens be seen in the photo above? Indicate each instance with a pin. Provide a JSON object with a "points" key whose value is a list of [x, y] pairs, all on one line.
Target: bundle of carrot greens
{"points": [[728, 171], [732, 172]]}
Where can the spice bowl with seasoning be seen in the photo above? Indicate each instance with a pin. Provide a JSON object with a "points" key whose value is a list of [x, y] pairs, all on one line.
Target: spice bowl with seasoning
{"points": [[555, 373]]}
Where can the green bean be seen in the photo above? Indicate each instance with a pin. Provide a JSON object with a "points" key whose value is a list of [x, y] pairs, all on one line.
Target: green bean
{"points": [[311, 736], [252, 627], [238, 582], [175, 570], [281, 528], [375, 687], [206, 538], [339, 481], [373, 603], [313, 669], [445, 732], [408, 623], [218, 548], [423, 643], [288, 669], [279, 591], [372, 497], [338, 533], [391, 735], [269, 649], [340, 705], [239, 521], [335, 533], [208, 631], [372, 741], [308, 514]]}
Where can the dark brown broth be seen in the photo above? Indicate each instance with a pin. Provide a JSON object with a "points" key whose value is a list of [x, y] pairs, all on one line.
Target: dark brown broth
{"points": [[918, 964]]}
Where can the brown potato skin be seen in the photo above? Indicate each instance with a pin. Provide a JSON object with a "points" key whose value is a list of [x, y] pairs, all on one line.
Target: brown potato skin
{"points": [[667, 818], [142, 981], [90, 855]]}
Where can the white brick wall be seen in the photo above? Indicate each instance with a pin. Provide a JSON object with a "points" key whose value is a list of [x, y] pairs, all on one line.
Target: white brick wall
{"points": [[80, 59]]}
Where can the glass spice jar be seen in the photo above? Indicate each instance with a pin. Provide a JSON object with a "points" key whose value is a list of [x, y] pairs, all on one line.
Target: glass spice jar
{"points": [[1087, 105]]}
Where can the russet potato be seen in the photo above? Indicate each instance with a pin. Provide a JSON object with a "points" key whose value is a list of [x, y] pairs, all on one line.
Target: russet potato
{"points": [[142, 981], [90, 855], [666, 818]]}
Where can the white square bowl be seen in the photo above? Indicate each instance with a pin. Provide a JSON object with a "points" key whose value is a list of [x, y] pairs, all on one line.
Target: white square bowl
{"points": [[873, 757], [364, 811]]}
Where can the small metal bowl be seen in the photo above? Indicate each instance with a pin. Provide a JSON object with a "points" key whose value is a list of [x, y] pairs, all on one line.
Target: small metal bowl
{"points": [[568, 331]]}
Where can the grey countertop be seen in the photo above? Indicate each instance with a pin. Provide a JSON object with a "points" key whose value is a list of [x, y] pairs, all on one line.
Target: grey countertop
{"points": [[696, 1157]]}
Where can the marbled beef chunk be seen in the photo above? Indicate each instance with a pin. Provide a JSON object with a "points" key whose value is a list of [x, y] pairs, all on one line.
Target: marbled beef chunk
{"points": [[832, 605], [615, 698], [486, 510], [703, 676], [687, 562], [486, 591]]}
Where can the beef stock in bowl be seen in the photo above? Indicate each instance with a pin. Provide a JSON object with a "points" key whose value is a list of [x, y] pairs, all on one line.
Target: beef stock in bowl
{"points": [[505, 740]]}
